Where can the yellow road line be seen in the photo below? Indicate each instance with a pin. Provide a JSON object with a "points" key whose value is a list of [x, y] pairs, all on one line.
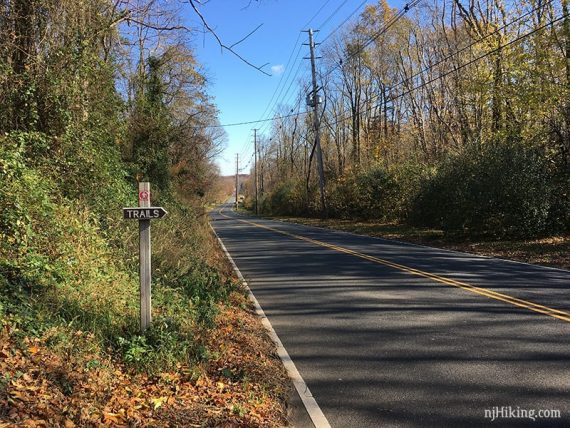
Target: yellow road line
{"points": [[535, 307]]}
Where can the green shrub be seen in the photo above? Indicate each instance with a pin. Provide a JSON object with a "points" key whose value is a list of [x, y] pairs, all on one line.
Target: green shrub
{"points": [[343, 197], [69, 262], [163, 345], [500, 190], [377, 193], [409, 178], [288, 198]]}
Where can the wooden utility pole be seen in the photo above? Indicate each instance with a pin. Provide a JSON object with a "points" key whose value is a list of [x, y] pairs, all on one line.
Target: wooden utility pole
{"points": [[315, 104], [237, 181], [255, 169]]}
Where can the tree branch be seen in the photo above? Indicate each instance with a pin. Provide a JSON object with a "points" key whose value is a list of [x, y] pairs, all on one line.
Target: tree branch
{"points": [[222, 45], [238, 42]]}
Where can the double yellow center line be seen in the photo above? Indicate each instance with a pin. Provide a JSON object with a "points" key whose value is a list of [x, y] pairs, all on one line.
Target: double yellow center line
{"points": [[535, 307]]}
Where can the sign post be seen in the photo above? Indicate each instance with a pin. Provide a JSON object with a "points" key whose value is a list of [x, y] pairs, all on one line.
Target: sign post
{"points": [[144, 213], [144, 254]]}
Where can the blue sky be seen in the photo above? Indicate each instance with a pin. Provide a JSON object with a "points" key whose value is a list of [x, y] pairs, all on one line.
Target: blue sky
{"points": [[242, 93]]}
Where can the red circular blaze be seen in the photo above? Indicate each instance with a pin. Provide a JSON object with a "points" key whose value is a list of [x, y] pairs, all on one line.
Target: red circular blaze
{"points": [[144, 196]]}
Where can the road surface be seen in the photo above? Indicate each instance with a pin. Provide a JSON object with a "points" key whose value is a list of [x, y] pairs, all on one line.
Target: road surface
{"points": [[386, 333]]}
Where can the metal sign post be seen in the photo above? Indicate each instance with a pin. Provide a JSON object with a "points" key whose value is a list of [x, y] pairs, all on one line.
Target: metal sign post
{"points": [[144, 213]]}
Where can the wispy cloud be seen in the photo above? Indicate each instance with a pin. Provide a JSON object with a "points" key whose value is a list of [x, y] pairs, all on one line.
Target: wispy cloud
{"points": [[277, 69]]}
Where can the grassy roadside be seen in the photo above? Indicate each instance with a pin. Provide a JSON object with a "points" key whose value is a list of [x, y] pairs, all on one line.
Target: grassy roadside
{"points": [[237, 382], [207, 361], [552, 251], [71, 352]]}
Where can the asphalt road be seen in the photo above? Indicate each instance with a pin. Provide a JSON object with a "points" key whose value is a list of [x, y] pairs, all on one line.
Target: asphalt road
{"points": [[393, 334]]}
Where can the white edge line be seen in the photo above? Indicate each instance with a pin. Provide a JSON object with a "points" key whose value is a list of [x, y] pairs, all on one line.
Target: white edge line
{"points": [[313, 409]]}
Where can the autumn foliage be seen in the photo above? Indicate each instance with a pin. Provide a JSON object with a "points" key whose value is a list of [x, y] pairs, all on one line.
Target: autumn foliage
{"points": [[240, 383], [96, 95]]}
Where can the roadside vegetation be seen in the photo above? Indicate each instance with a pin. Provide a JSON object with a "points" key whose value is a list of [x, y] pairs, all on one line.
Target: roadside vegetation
{"points": [[89, 106], [455, 119]]}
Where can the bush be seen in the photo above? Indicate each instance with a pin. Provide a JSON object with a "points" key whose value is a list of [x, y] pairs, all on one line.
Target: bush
{"points": [[51, 251], [288, 198], [377, 193], [63, 268], [343, 197], [502, 190]]}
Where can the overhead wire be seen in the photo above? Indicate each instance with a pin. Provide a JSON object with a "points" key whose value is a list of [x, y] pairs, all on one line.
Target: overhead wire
{"points": [[331, 16], [316, 14], [399, 15], [285, 78], [480, 57], [461, 50], [470, 62], [285, 96], [426, 69], [291, 77], [283, 75], [470, 45], [338, 27]]}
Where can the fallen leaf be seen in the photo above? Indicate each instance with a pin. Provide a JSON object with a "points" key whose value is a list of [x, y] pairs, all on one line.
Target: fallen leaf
{"points": [[157, 402], [111, 417]]}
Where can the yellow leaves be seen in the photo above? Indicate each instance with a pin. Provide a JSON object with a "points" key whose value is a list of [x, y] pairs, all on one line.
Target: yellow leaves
{"points": [[35, 423], [106, 394], [33, 349], [17, 394], [170, 377], [112, 417], [157, 402]]}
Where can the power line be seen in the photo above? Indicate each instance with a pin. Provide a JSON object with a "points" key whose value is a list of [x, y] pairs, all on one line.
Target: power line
{"points": [[288, 74], [333, 14], [480, 57], [316, 14], [426, 69], [282, 76], [298, 68], [398, 16], [463, 49], [401, 13], [474, 60], [457, 52], [270, 105], [382, 31], [251, 122], [292, 78], [345, 21]]}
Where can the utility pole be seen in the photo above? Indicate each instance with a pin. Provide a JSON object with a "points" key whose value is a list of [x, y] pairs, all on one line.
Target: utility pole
{"points": [[255, 168], [237, 181], [314, 102]]}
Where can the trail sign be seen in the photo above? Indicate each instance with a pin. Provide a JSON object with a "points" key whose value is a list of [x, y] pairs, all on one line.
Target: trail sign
{"points": [[143, 213], [144, 196]]}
